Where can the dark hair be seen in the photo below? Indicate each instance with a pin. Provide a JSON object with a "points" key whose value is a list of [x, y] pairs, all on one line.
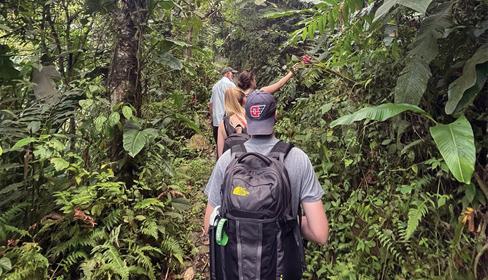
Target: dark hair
{"points": [[246, 80]]}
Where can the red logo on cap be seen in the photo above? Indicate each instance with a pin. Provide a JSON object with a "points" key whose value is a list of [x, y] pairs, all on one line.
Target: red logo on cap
{"points": [[256, 110]]}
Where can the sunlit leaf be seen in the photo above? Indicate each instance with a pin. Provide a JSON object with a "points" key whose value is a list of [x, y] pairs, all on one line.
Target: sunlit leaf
{"points": [[135, 140], [114, 119], [377, 113], [99, 122], [5, 264], [416, 5], [59, 164], [455, 142], [127, 112]]}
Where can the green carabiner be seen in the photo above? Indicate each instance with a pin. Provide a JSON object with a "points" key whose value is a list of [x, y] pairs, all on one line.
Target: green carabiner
{"points": [[221, 236]]}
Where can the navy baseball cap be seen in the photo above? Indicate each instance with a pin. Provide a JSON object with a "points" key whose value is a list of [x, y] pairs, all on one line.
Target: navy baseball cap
{"points": [[260, 113]]}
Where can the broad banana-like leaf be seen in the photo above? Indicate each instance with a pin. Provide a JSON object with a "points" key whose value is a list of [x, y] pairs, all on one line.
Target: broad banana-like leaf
{"points": [[134, 140], [377, 113], [416, 5], [455, 142], [414, 78], [472, 81], [470, 95]]}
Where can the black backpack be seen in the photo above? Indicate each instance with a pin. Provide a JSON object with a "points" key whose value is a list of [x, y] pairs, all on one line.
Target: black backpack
{"points": [[234, 137], [256, 236]]}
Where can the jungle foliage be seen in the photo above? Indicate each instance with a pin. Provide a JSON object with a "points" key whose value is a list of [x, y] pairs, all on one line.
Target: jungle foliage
{"points": [[104, 137]]}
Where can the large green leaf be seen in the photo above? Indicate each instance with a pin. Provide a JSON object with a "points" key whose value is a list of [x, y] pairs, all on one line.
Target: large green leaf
{"points": [[377, 113], [455, 142], [472, 81], [171, 61], [413, 81], [114, 119], [23, 142], [414, 78], [5, 264], [135, 140], [416, 5], [59, 164], [99, 122]]}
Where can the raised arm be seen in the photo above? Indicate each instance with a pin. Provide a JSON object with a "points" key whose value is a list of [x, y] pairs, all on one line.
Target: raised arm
{"points": [[315, 226], [279, 84]]}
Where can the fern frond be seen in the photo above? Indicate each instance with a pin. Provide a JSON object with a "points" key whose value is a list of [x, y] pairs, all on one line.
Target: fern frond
{"points": [[73, 259], [113, 218], [77, 240], [29, 264], [144, 261], [171, 246], [414, 217], [150, 228], [8, 216], [387, 241], [147, 203]]}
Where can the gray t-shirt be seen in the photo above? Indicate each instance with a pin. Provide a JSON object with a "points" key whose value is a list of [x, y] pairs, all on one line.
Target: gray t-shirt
{"points": [[217, 99], [304, 184]]}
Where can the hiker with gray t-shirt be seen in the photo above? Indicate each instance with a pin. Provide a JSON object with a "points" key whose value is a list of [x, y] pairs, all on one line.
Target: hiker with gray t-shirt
{"points": [[306, 192]]}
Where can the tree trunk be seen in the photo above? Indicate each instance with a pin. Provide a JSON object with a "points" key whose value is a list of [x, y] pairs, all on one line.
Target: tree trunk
{"points": [[124, 79]]}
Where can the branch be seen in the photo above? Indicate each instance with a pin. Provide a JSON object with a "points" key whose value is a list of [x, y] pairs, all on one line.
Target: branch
{"points": [[16, 30], [482, 184], [477, 259], [330, 71], [56, 39]]}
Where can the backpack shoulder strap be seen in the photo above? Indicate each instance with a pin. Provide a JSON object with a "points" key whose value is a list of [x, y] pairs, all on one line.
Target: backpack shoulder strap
{"points": [[281, 149], [227, 125], [238, 150]]}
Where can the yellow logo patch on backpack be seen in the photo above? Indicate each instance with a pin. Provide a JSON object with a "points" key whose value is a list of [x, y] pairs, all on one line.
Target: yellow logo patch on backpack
{"points": [[240, 191]]}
